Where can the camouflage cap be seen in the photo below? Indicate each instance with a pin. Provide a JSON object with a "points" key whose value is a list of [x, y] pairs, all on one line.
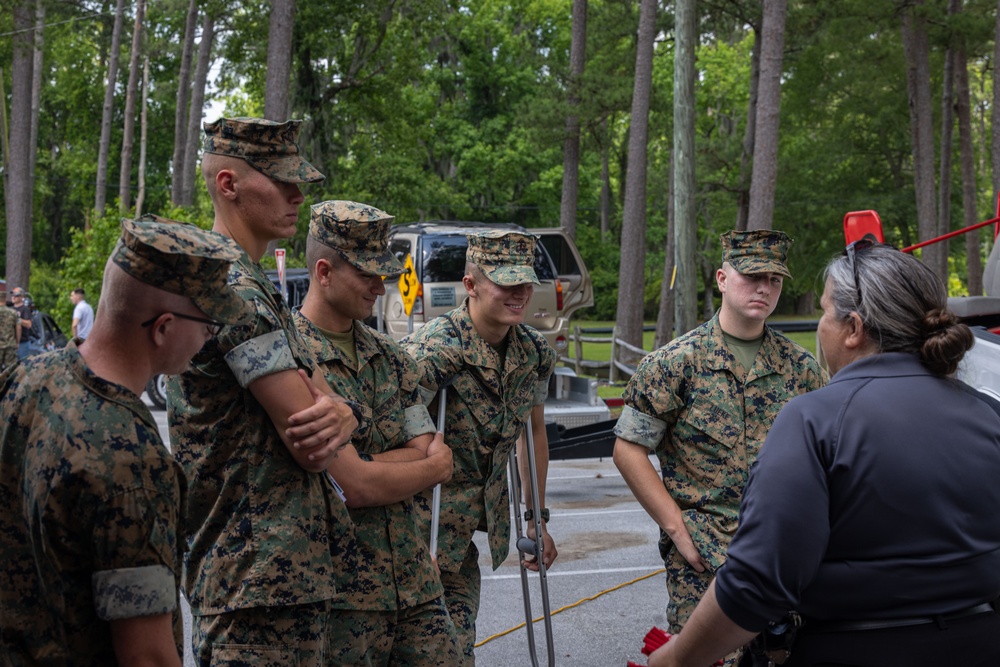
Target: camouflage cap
{"points": [[360, 233], [759, 251], [269, 147], [180, 258], [507, 258]]}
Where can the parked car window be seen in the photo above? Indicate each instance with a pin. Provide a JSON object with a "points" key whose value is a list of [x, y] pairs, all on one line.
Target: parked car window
{"points": [[444, 259], [564, 260], [400, 249]]}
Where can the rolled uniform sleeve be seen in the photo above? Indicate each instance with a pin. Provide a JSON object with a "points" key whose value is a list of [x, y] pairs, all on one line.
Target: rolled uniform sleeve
{"points": [[260, 357], [639, 428], [541, 392], [652, 402], [136, 554], [134, 591], [417, 421], [546, 366], [259, 346]]}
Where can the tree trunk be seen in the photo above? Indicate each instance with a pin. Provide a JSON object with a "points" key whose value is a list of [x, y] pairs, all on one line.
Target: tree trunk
{"points": [[685, 213], [947, 134], [995, 110], [805, 304], [917, 49], [605, 181], [764, 180], [128, 134], [967, 159], [140, 197], [571, 145], [749, 138], [178, 162], [36, 88], [279, 60], [197, 104], [18, 199], [665, 315], [632, 272], [104, 148], [3, 134], [708, 266]]}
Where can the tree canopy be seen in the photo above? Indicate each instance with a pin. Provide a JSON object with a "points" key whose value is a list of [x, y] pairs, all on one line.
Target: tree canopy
{"points": [[457, 110]]}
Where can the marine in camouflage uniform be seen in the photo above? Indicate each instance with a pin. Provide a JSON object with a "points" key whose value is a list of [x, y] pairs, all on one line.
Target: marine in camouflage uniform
{"points": [[10, 336], [492, 389], [89, 537], [266, 530], [393, 596], [705, 412]]}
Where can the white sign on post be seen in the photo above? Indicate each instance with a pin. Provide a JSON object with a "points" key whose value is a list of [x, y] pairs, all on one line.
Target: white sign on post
{"points": [[279, 258]]}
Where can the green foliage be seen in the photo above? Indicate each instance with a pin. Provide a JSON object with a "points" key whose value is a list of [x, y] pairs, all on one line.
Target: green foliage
{"points": [[83, 263], [458, 110], [48, 293], [602, 257]]}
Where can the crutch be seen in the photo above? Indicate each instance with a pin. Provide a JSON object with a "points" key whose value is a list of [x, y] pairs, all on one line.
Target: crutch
{"points": [[528, 546], [436, 497]]}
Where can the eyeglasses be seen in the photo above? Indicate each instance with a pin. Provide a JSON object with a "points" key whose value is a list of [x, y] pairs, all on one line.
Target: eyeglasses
{"points": [[850, 251], [214, 326]]}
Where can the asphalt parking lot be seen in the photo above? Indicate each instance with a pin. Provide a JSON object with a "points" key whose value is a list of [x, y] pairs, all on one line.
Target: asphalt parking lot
{"points": [[606, 589]]}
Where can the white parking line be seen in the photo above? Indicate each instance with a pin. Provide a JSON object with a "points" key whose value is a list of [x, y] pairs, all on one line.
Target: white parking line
{"points": [[574, 514], [573, 573]]}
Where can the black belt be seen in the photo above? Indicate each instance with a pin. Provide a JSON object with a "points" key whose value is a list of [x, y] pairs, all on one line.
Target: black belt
{"points": [[881, 624]]}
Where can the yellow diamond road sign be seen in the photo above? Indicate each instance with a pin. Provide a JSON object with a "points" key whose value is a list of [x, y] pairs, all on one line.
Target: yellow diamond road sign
{"points": [[408, 285]]}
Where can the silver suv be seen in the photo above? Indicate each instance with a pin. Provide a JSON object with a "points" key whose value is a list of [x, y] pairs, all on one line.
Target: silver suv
{"points": [[438, 249]]}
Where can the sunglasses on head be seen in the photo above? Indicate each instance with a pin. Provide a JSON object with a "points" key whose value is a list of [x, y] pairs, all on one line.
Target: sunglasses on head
{"points": [[850, 252]]}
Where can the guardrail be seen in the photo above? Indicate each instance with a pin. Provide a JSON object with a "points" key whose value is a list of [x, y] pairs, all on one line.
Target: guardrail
{"points": [[615, 366]]}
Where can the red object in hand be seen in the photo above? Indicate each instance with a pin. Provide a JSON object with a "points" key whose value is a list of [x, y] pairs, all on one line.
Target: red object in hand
{"points": [[653, 640]]}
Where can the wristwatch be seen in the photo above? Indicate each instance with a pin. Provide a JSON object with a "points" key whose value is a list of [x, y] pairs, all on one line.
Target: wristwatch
{"points": [[529, 514]]}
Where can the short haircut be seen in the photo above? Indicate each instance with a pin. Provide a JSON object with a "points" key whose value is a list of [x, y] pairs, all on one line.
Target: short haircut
{"points": [[80, 291], [315, 251]]}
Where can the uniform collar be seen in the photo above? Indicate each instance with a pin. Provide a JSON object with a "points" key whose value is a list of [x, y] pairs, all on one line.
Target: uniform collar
{"points": [[882, 364], [365, 342], [476, 352], [108, 390], [720, 358]]}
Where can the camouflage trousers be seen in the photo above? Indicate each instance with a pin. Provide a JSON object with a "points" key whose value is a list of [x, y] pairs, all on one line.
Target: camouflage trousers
{"points": [[421, 636], [461, 593], [8, 357], [295, 636], [685, 588]]}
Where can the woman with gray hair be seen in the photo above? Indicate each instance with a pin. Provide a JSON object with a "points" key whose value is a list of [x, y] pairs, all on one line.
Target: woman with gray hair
{"points": [[872, 509]]}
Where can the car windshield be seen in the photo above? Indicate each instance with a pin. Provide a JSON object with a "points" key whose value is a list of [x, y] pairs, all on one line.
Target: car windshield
{"points": [[444, 259]]}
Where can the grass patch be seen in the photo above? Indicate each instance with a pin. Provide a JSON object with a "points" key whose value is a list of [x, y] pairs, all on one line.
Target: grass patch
{"points": [[601, 351]]}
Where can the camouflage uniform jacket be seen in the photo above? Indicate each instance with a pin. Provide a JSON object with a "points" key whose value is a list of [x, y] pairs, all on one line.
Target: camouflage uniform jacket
{"points": [[394, 568], [487, 408], [705, 417], [261, 531], [92, 503], [8, 328]]}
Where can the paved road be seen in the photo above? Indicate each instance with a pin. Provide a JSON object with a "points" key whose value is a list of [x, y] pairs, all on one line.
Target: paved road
{"points": [[601, 606]]}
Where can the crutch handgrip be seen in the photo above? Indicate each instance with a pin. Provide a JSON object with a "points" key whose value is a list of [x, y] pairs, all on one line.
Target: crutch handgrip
{"points": [[526, 545]]}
